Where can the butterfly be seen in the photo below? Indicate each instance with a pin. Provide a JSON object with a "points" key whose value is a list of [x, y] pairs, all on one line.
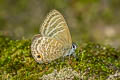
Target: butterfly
{"points": [[54, 40]]}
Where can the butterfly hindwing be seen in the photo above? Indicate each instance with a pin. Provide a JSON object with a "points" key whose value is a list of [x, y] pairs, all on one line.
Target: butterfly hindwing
{"points": [[46, 49]]}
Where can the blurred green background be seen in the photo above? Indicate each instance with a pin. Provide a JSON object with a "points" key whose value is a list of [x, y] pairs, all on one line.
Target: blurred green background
{"points": [[88, 20]]}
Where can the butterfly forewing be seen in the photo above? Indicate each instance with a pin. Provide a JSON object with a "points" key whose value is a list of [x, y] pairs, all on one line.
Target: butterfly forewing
{"points": [[55, 26]]}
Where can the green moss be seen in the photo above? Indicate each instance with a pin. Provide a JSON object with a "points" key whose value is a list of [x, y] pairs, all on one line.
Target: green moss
{"points": [[92, 60]]}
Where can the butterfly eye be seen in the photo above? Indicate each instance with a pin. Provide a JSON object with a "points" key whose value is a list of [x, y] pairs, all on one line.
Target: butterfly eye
{"points": [[74, 46]]}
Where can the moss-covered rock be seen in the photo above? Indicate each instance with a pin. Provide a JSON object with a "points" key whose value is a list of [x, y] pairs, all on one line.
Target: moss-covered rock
{"points": [[92, 61]]}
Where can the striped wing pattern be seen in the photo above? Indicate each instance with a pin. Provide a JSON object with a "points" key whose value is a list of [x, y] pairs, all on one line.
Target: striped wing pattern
{"points": [[54, 39], [55, 26], [45, 49]]}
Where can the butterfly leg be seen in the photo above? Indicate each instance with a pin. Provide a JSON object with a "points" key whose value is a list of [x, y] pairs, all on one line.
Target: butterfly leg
{"points": [[63, 58], [69, 56], [74, 55]]}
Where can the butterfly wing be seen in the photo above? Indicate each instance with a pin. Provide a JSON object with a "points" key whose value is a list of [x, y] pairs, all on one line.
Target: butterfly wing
{"points": [[46, 49], [55, 26]]}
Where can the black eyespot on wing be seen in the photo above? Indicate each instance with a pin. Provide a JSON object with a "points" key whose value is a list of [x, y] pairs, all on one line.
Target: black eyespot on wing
{"points": [[38, 56]]}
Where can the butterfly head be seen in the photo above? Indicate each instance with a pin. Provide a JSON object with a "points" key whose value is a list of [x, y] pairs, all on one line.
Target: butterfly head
{"points": [[72, 50], [74, 47]]}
